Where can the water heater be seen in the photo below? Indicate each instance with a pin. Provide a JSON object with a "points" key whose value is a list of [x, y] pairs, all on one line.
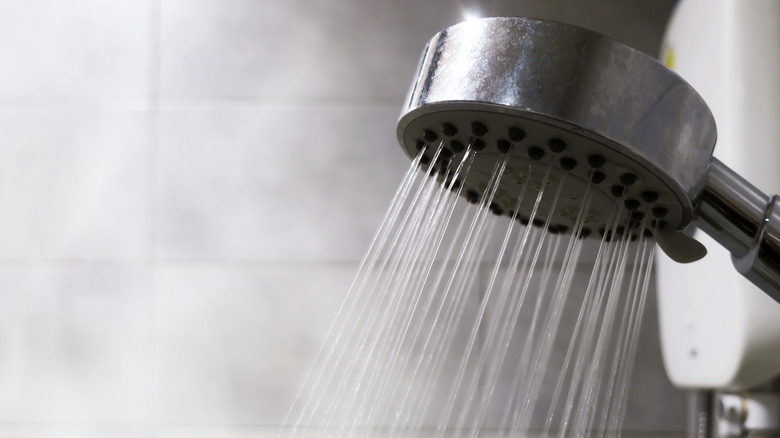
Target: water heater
{"points": [[718, 330]]}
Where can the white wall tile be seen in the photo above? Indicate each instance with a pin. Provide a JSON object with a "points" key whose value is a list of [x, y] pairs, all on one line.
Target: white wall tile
{"points": [[74, 343], [77, 50], [295, 49], [233, 342], [74, 184], [277, 183]]}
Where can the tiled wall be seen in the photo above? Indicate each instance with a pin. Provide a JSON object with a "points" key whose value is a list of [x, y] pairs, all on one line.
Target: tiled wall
{"points": [[186, 188]]}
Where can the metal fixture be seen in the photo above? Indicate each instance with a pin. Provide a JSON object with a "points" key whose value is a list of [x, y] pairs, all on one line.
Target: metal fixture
{"points": [[753, 414], [594, 111]]}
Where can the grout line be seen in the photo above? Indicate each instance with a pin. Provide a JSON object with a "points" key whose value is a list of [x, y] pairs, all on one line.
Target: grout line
{"points": [[277, 102], [154, 127], [76, 105], [153, 262], [238, 263], [153, 179], [157, 103], [274, 427]]}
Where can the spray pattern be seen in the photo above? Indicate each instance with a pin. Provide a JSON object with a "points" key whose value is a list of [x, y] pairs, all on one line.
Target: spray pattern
{"points": [[459, 315]]}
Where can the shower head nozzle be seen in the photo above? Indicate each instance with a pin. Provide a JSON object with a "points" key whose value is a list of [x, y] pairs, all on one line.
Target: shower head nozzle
{"points": [[548, 95]]}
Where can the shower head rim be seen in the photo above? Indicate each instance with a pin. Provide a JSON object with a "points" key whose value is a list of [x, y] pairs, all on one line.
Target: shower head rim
{"points": [[576, 80]]}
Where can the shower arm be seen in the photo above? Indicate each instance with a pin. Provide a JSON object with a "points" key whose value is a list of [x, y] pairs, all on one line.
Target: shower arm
{"points": [[746, 222]]}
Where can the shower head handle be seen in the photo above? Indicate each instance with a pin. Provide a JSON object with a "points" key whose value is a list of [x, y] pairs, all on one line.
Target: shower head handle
{"points": [[745, 221]]}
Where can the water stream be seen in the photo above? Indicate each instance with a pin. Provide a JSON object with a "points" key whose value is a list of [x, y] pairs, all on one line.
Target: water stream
{"points": [[461, 323]]}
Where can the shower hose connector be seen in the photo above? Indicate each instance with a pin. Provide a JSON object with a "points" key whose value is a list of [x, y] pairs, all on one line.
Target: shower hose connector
{"points": [[746, 222]]}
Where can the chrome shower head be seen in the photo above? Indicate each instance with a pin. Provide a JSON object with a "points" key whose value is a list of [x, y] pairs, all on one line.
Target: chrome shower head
{"points": [[593, 110], [590, 106]]}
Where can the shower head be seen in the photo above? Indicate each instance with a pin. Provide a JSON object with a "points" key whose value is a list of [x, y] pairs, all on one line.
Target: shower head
{"points": [[593, 108], [545, 95]]}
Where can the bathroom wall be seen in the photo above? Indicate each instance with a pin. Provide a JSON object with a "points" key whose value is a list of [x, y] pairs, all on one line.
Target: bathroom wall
{"points": [[186, 188]]}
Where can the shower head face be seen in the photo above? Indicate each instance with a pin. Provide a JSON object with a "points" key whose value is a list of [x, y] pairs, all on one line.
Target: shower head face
{"points": [[547, 95], [571, 159]]}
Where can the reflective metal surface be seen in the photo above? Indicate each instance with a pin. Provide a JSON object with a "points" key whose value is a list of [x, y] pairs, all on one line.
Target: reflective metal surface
{"points": [[574, 79], [700, 407], [746, 222], [730, 209], [563, 82], [761, 264]]}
